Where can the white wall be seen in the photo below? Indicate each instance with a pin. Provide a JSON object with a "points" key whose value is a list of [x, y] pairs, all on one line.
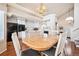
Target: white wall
{"points": [[76, 14], [3, 7], [61, 20], [75, 34]]}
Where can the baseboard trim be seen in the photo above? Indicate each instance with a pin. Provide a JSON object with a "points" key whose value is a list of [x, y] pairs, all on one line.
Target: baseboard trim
{"points": [[3, 51]]}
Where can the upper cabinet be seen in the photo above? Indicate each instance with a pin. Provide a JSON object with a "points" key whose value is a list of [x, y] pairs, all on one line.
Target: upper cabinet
{"points": [[48, 23]]}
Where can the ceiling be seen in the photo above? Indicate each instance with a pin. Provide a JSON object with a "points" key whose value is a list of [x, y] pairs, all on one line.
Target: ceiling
{"points": [[56, 8]]}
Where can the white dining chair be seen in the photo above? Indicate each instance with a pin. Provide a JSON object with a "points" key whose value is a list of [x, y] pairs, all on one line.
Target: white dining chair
{"points": [[59, 48], [22, 34], [16, 44], [61, 44], [19, 52]]}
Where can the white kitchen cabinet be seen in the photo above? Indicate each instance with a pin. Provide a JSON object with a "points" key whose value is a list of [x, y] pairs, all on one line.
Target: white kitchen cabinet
{"points": [[49, 23]]}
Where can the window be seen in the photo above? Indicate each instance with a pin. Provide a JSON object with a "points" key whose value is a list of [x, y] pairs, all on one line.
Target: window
{"points": [[1, 24]]}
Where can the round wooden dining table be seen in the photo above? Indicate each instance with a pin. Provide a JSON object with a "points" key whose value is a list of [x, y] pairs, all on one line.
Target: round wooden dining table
{"points": [[41, 43]]}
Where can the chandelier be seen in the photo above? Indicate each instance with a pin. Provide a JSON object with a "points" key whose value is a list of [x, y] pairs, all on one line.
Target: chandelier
{"points": [[42, 9]]}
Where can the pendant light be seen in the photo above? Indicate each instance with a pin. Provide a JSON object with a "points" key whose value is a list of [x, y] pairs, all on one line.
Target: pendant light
{"points": [[42, 9]]}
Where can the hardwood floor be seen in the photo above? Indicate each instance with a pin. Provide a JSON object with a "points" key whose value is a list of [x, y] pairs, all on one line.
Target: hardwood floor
{"points": [[10, 49]]}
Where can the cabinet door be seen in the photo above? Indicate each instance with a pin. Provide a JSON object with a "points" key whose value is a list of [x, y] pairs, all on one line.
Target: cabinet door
{"points": [[49, 23], [2, 36]]}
